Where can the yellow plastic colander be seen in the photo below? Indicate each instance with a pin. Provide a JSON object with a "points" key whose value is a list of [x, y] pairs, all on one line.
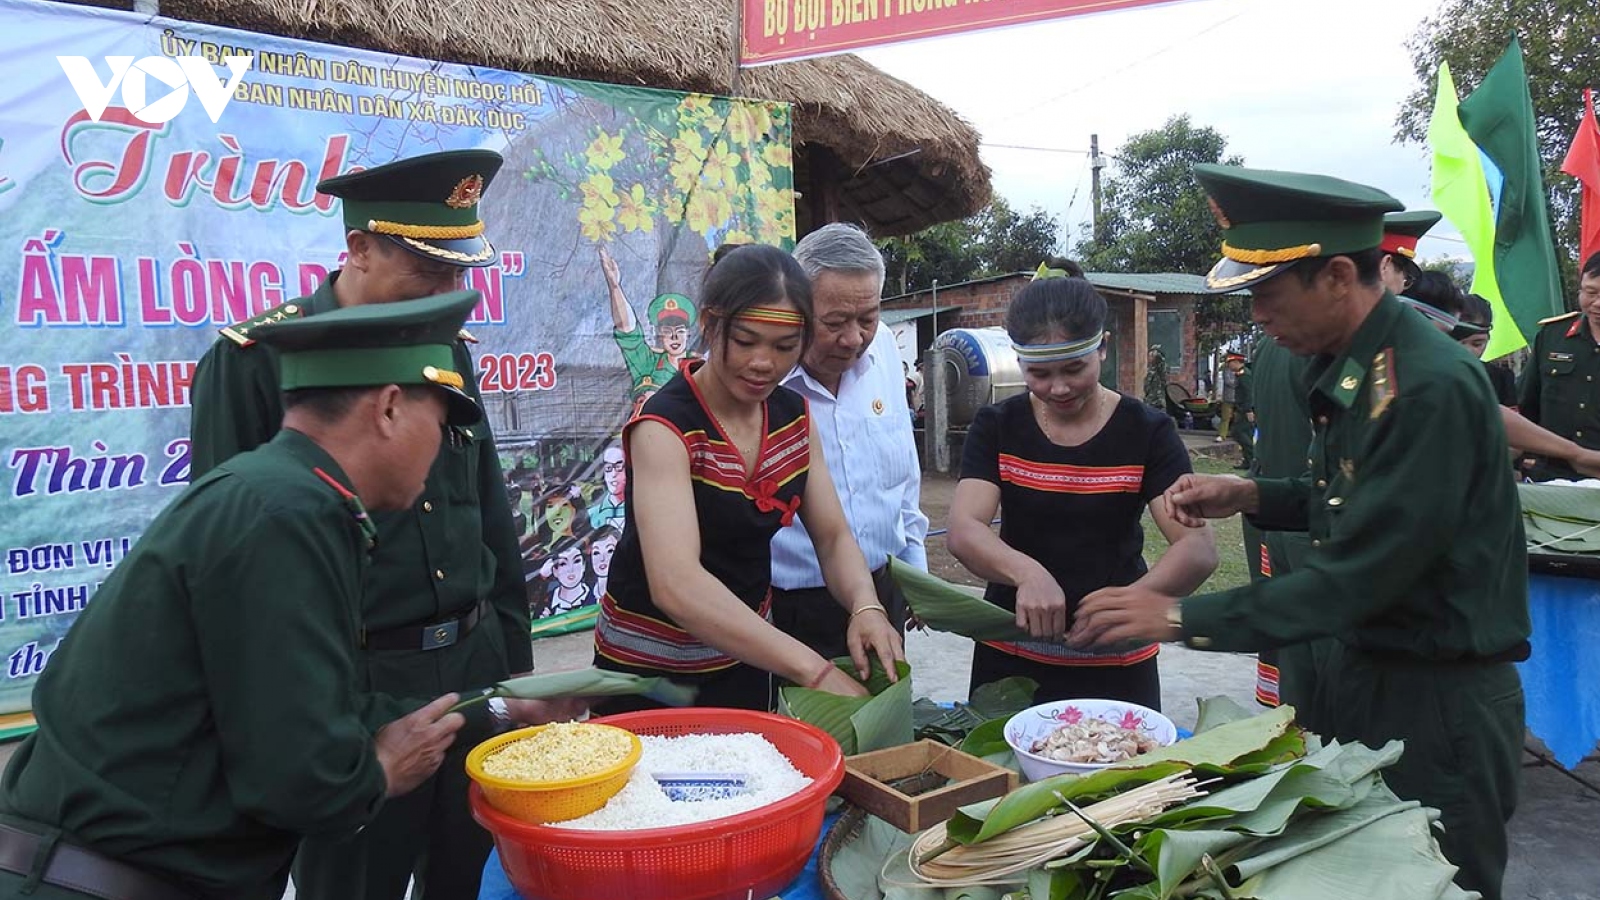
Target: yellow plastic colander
{"points": [[539, 802]]}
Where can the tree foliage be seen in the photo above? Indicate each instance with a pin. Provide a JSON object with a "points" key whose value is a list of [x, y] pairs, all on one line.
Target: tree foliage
{"points": [[1559, 49], [1154, 218], [994, 241]]}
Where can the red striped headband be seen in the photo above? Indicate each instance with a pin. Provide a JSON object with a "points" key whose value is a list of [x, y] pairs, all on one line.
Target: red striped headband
{"points": [[771, 315]]}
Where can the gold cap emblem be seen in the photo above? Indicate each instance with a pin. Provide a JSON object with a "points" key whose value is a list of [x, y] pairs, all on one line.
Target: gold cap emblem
{"points": [[466, 194]]}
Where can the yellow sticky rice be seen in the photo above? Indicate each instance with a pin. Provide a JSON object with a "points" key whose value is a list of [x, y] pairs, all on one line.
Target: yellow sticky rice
{"points": [[560, 751]]}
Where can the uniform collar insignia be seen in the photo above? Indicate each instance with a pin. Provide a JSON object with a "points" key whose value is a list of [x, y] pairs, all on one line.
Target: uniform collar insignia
{"points": [[1342, 386]]}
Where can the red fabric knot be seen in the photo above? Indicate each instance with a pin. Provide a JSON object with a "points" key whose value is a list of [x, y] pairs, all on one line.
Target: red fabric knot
{"points": [[765, 493]]}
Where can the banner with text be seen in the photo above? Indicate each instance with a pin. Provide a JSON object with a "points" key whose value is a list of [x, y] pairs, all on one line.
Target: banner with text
{"points": [[781, 30], [151, 199]]}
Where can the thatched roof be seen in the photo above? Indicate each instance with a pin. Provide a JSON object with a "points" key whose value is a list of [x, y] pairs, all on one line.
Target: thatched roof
{"points": [[868, 147]]}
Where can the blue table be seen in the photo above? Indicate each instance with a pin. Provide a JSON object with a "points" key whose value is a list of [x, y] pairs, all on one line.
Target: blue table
{"points": [[1562, 678], [808, 886]]}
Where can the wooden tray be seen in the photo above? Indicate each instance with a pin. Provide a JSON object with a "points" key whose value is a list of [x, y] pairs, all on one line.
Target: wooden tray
{"points": [[905, 786]]}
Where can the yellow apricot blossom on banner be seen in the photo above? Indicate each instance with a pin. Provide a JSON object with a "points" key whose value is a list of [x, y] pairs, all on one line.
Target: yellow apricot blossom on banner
{"points": [[707, 209], [636, 212], [604, 151], [598, 222]]}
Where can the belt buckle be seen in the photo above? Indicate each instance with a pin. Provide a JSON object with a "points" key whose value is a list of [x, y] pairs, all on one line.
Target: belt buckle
{"points": [[443, 634]]}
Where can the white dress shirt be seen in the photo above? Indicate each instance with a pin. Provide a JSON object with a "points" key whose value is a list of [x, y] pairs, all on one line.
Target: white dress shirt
{"points": [[871, 453]]}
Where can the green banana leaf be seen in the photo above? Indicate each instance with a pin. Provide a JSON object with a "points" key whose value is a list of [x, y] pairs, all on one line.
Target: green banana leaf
{"points": [[1561, 518], [943, 606], [859, 724], [995, 701], [589, 682], [1382, 849]]}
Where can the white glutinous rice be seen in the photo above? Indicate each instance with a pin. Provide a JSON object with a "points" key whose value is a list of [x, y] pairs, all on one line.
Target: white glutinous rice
{"points": [[643, 804]]}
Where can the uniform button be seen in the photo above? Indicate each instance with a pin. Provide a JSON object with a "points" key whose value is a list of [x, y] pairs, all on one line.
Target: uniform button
{"points": [[1308, 460], [1588, 378], [1322, 420], [1321, 483], [1316, 542], [1200, 642], [438, 574], [1335, 501], [427, 506], [1580, 406], [1580, 434]]}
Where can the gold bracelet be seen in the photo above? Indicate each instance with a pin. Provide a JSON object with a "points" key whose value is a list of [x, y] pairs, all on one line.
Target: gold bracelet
{"points": [[876, 606]]}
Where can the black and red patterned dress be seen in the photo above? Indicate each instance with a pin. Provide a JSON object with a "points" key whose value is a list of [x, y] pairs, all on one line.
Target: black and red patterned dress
{"points": [[736, 517]]}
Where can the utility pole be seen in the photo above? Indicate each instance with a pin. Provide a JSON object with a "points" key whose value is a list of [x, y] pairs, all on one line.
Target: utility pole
{"points": [[1096, 163]]}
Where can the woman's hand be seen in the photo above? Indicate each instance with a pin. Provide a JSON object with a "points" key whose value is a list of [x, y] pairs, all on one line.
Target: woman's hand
{"points": [[1042, 607], [838, 682], [871, 631]]}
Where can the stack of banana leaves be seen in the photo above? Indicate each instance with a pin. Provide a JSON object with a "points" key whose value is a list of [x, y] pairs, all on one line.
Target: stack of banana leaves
{"points": [[1561, 517], [1250, 807]]}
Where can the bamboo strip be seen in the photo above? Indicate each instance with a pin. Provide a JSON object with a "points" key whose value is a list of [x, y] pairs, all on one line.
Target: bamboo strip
{"points": [[935, 860]]}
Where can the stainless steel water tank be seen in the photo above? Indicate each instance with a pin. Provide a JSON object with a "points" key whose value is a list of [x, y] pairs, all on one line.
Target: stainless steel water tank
{"points": [[980, 369]]}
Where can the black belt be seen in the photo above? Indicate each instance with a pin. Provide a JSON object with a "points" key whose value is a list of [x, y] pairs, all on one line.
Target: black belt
{"points": [[432, 636], [82, 870], [1514, 654]]}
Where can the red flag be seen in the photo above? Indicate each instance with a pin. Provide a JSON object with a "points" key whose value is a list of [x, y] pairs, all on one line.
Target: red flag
{"points": [[1583, 163]]}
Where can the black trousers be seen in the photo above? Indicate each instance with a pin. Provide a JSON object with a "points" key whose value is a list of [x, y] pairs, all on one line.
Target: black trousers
{"points": [[813, 617], [1139, 683]]}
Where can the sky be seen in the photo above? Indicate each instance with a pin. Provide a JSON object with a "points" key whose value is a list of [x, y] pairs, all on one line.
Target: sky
{"points": [[1303, 85]]}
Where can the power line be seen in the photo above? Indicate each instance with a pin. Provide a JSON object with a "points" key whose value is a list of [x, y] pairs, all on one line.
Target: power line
{"points": [[1132, 65], [1038, 149]]}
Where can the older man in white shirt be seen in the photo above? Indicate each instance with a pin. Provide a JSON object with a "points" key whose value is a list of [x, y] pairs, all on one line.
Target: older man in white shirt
{"points": [[851, 374]]}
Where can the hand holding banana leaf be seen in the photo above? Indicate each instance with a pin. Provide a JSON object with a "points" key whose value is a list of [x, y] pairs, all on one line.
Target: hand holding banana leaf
{"points": [[585, 683]]}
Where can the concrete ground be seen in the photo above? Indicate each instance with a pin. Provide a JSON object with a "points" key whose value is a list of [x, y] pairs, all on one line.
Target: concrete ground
{"points": [[1554, 834]]}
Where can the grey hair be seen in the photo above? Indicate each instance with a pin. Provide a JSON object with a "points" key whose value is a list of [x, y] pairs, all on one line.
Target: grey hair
{"points": [[839, 247]]}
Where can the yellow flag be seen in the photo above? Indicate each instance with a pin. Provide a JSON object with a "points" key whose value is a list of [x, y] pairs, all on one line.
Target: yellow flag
{"points": [[1461, 192]]}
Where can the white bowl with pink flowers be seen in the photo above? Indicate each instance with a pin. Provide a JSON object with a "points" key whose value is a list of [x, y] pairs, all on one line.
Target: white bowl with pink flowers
{"points": [[1109, 730]]}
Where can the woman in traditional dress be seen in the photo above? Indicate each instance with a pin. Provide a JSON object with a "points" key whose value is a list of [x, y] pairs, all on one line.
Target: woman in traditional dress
{"points": [[718, 460], [1073, 465]]}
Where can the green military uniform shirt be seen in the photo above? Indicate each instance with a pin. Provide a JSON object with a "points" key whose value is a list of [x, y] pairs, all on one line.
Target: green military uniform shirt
{"points": [[206, 710], [1559, 390], [1414, 520]]}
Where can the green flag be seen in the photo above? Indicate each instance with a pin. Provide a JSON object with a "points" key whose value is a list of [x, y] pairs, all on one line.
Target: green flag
{"points": [[1461, 192], [1499, 118]]}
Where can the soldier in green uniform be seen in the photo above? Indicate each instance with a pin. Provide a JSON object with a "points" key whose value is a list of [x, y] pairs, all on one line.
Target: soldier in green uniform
{"points": [[1402, 231], [1155, 379], [445, 606], [1242, 427], [208, 709], [1283, 422], [672, 315], [1558, 388], [1422, 582]]}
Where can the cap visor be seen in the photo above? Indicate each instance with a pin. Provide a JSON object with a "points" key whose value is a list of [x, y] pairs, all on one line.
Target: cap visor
{"points": [[474, 253], [1229, 275], [460, 408]]}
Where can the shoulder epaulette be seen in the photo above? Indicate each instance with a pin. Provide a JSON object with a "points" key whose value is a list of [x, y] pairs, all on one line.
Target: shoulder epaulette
{"points": [[1561, 318], [1384, 389], [239, 332], [465, 335]]}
